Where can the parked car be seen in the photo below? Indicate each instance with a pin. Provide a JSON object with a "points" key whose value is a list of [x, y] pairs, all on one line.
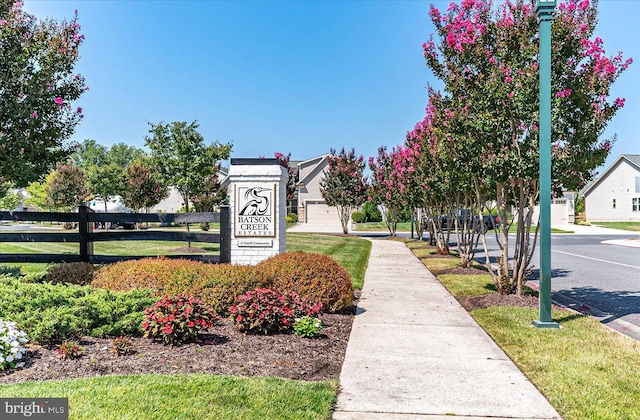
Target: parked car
{"points": [[473, 221]]}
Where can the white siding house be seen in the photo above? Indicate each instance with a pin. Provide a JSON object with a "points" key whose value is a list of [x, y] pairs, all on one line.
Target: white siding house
{"points": [[615, 196]]}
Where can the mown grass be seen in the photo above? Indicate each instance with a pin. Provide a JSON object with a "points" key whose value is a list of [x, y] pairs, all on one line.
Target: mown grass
{"points": [[584, 369], [631, 226], [382, 227], [185, 397], [468, 284], [436, 264], [350, 252]]}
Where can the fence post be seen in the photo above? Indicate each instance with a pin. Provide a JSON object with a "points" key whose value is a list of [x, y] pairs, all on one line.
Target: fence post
{"points": [[225, 235], [84, 229]]}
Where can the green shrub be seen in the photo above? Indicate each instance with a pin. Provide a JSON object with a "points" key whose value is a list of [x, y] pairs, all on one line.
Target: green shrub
{"points": [[307, 327], [6, 270], [75, 273], [51, 313], [293, 217], [359, 217], [372, 212], [315, 277]]}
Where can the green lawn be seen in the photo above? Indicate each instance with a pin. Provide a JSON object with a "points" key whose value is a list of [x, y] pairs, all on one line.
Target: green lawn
{"points": [[381, 226], [185, 397], [584, 369], [632, 226], [350, 252]]}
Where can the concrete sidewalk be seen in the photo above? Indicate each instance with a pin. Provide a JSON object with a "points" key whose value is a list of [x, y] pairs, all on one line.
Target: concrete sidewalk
{"points": [[415, 353]]}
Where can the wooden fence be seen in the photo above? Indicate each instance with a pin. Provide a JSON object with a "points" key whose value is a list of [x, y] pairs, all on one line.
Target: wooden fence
{"points": [[85, 219]]}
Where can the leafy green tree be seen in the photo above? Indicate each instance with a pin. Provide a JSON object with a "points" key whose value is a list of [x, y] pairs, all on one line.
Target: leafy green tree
{"points": [[107, 181], [181, 158], [37, 195], [89, 153], [67, 187], [344, 185], [143, 190], [123, 155], [37, 88], [9, 199]]}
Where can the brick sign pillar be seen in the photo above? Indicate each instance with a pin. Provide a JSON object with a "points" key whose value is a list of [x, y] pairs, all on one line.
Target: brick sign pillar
{"points": [[258, 204]]}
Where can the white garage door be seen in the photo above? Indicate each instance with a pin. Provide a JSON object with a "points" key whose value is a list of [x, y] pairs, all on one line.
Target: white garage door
{"points": [[320, 213]]}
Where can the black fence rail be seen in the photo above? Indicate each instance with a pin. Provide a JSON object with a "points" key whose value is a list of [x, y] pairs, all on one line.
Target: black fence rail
{"points": [[86, 218]]}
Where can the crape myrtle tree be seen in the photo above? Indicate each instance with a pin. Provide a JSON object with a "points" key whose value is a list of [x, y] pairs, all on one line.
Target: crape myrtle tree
{"points": [[211, 193], [181, 158], [487, 59], [67, 187], [37, 87], [143, 189], [469, 190], [397, 184], [436, 186], [344, 185]]}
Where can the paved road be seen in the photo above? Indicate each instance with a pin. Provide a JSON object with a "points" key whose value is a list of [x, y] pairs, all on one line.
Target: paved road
{"points": [[597, 278]]}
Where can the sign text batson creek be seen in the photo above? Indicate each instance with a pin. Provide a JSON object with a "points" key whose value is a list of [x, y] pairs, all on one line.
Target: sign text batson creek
{"points": [[255, 210]]}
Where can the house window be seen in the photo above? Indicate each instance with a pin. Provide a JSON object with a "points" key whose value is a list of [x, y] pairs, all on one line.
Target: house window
{"points": [[635, 204], [614, 203]]}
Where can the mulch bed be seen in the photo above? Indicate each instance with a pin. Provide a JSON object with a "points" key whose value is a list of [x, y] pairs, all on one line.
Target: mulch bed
{"points": [[486, 301], [223, 351]]}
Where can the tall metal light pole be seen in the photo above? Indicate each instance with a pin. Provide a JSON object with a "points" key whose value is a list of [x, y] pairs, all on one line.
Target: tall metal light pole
{"points": [[544, 10]]}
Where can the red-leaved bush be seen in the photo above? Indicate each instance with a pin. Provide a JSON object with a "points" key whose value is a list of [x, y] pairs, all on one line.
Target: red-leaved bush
{"points": [[263, 310], [177, 319], [315, 277]]}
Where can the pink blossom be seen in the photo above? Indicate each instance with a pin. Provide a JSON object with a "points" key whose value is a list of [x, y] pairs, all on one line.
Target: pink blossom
{"points": [[619, 102], [58, 100], [563, 93], [34, 114]]}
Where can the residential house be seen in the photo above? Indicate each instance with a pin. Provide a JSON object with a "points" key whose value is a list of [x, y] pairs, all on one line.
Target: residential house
{"points": [[615, 195], [311, 206]]}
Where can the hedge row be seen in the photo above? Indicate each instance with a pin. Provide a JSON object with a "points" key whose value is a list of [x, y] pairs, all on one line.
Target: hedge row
{"points": [[315, 277]]}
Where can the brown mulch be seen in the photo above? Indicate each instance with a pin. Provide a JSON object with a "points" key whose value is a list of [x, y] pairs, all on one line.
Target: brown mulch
{"points": [[486, 301], [460, 270], [223, 351]]}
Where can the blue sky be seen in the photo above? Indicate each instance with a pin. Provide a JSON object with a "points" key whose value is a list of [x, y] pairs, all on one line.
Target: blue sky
{"points": [[287, 76]]}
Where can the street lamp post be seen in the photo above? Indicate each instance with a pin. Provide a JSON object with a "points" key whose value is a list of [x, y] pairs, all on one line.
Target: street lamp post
{"points": [[544, 11]]}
